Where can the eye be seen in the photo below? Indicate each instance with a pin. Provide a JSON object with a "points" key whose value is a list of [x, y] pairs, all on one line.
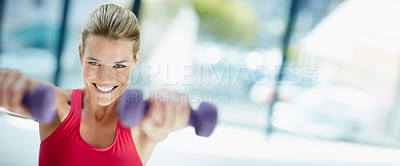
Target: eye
{"points": [[119, 66], [94, 63]]}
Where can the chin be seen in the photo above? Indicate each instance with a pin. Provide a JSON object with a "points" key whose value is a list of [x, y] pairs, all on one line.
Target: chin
{"points": [[104, 100]]}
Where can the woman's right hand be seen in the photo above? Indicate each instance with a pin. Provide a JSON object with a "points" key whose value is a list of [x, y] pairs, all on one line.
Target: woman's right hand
{"points": [[13, 87]]}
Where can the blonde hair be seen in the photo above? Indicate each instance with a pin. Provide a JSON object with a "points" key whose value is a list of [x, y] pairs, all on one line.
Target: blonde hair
{"points": [[112, 22]]}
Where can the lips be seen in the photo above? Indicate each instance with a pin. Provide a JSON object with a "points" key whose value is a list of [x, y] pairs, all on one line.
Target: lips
{"points": [[105, 88]]}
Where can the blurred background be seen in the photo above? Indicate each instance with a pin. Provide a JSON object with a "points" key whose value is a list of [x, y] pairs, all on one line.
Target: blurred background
{"points": [[297, 82]]}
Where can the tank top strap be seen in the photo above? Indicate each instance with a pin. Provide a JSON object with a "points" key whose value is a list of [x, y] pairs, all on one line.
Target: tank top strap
{"points": [[76, 107], [76, 102]]}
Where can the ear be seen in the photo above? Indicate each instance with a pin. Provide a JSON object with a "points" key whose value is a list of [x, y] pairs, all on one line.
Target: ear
{"points": [[136, 61], [80, 54]]}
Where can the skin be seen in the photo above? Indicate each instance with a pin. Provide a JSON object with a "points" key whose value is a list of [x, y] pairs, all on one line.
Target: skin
{"points": [[107, 63]]}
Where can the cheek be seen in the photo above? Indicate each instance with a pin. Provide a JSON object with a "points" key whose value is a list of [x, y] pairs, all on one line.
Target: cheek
{"points": [[124, 76], [89, 71]]}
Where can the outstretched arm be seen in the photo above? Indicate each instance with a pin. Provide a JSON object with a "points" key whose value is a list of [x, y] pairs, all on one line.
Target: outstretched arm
{"points": [[168, 111], [13, 87]]}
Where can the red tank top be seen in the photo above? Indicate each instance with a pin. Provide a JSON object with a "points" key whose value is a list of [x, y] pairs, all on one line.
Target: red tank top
{"points": [[65, 146]]}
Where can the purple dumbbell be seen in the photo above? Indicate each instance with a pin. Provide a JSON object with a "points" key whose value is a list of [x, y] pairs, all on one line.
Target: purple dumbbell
{"points": [[41, 103], [132, 108]]}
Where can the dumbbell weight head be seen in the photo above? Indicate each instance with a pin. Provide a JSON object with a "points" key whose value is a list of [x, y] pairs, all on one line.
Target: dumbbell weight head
{"points": [[132, 107], [204, 119], [41, 103]]}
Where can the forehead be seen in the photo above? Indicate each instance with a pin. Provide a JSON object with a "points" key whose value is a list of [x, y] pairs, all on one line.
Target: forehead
{"points": [[103, 48]]}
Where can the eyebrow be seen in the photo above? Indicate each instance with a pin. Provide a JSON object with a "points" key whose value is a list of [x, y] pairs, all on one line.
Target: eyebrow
{"points": [[91, 58], [121, 61]]}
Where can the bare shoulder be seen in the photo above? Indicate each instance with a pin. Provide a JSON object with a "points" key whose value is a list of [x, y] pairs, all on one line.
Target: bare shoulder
{"points": [[63, 102], [63, 106]]}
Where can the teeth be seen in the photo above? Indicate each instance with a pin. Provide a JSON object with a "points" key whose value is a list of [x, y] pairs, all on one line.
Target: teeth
{"points": [[104, 89]]}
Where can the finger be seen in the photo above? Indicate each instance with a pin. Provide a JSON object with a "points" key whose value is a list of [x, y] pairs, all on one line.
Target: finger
{"points": [[3, 75], [170, 109], [164, 101], [156, 114], [155, 107], [18, 90], [182, 112], [150, 113], [7, 93], [153, 95]]}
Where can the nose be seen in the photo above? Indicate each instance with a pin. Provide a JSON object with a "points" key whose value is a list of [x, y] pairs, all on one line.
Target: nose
{"points": [[106, 74]]}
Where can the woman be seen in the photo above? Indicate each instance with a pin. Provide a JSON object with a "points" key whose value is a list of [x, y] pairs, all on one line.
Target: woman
{"points": [[87, 130]]}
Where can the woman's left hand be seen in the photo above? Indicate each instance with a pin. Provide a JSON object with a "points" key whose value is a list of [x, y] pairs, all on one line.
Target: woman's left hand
{"points": [[168, 111]]}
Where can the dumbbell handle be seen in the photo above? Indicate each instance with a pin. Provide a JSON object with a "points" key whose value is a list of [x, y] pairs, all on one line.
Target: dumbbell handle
{"points": [[41, 103], [133, 109], [193, 118]]}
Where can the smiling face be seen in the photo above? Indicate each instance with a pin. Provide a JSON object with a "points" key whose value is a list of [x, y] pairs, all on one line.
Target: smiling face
{"points": [[107, 66]]}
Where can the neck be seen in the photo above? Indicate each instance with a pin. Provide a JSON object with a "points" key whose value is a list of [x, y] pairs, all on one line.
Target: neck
{"points": [[97, 112]]}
